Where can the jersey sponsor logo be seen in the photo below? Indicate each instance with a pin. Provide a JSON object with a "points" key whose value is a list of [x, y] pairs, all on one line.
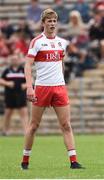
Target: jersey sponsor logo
{"points": [[49, 55], [53, 56], [44, 44]]}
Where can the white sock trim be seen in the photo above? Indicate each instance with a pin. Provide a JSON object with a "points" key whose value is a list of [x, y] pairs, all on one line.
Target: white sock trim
{"points": [[71, 153], [26, 152]]}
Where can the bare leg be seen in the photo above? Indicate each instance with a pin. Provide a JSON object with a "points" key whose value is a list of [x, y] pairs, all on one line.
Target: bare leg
{"points": [[63, 114], [29, 137], [33, 125], [24, 115], [7, 118]]}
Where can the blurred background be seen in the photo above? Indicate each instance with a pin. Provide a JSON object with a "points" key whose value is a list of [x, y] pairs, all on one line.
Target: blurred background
{"points": [[81, 22]]}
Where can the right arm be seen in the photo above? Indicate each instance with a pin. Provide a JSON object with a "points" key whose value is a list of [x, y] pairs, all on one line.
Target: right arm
{"points": [[5, 83], [32, 52], [28, 76]]}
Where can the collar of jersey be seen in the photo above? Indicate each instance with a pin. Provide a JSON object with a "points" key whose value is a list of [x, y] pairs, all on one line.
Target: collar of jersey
{"points": [[48, 37]]}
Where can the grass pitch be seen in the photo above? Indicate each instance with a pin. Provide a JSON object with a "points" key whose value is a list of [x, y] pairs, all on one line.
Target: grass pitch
{"points": [[49, 158]]}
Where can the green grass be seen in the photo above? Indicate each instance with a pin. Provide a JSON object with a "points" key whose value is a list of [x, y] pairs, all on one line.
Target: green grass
{"points": [[49, 158]]}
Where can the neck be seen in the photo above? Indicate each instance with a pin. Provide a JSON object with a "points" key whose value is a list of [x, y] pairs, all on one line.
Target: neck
{"points": [[50, 35]]}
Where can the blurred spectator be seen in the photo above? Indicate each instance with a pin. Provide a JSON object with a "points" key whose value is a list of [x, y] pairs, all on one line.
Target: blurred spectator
{"points": [[76, 63], [24, 27], [33, 14], [96, 34], [96, 18], [22, 42], [96, 27], [62, 11], [4, 49], [78, 34], [77, 29], [15, 93], [83, 8], [6, 27], [98, 4]]}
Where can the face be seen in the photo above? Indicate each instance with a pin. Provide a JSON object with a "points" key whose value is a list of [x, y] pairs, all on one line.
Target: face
{"points": [[15, 60], [59, 2], [80, 1], [74, 19], [50, 25], [34, 3]]}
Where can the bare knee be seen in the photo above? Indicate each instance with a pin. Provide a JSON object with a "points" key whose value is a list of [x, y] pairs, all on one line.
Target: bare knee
{"points": [[66, 126], [33, 128]]}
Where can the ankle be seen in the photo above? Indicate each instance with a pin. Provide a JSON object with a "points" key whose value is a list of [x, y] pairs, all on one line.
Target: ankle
{"points": [[26, 156]]}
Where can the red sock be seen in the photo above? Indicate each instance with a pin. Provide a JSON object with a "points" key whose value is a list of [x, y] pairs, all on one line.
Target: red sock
{"points": [[72, 155], [25, 159], [26, 156], [73, 158]]}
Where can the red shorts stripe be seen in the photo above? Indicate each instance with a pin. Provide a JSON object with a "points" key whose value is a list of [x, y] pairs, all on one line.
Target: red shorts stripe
{"points": [[51, 96]]}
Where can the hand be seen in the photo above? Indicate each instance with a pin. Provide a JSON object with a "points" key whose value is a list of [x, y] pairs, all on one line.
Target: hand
{"points": [[23, 86], [10, 84], [30, 94]]}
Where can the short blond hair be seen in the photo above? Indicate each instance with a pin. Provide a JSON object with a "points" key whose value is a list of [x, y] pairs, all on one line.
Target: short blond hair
{"points": [[48, 13]]}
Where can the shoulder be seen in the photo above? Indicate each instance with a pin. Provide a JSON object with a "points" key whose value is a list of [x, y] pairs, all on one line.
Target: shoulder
{"points": [[5, 72], [63, 41], [29, 8], [35, 40]]}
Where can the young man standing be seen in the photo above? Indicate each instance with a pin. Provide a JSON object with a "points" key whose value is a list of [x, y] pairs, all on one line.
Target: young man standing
{"points": [[13, 79], [47, 51]]}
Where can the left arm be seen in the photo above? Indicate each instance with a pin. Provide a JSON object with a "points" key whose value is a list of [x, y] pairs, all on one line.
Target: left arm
{"points": [[63, 67]]}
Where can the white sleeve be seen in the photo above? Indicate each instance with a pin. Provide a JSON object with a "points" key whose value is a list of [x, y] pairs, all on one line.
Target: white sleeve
{"points": [[67, 43], [33, 50]]}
